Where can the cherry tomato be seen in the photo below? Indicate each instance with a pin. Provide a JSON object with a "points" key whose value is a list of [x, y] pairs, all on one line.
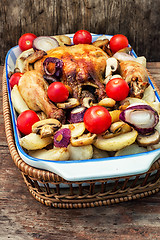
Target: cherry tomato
{"points": [[117, 89], [57, 92], [97, 119], [14, 80], [25, 41], [118, 42], [83, 37], [25, 121]]}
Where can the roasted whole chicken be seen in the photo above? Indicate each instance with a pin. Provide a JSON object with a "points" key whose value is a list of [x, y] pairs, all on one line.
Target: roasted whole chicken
{"points": [[84, 64]]}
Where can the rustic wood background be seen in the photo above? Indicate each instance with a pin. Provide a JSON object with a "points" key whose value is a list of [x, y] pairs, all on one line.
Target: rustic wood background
{"points": [[137, 19]]}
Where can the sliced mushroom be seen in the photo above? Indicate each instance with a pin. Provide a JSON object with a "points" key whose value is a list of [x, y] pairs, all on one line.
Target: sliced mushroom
{"points": [[107, 102], [101, 42], [46, 127], [32, 59], [111, 66], [87, 102], [148, 139], [70, 103], [116, 129], [120, 127], [85, 139]]}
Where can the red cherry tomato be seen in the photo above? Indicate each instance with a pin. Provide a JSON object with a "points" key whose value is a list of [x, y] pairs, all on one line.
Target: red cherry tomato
{"points": [[83, 37], [25, 41], [57, 92], [117, 89], [97, 119], [118, 42], [14, 80], [25, 121]]}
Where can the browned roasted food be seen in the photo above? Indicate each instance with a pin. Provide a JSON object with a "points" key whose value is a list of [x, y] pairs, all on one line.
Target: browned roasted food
{"points": [[83, 64], [136, 76], [33, 89]]}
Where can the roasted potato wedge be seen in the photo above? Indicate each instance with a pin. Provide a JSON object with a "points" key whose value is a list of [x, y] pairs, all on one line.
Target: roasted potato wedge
{"points": [[33, 141], [17, 100], [116, 143]]}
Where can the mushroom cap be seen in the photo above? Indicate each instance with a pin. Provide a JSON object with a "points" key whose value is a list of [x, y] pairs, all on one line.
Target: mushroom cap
{"points": [[148, 139]]}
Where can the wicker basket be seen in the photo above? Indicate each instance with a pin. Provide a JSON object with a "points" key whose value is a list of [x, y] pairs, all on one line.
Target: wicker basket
{"points": [[52, 190]]}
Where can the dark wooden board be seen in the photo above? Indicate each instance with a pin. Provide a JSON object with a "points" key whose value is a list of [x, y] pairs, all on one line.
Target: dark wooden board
{"points": [[22, 217], [138, 20]]}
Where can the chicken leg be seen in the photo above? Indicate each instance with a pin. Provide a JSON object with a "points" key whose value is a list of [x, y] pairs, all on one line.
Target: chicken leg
{"points": [[33, 89]]}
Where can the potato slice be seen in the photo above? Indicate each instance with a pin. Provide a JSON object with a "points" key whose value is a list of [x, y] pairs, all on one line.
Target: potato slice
{"points": [[77, 129], [97, 153], [17, 100], [55, 154], [116, 143], [33, 141], [80, 153], [131, 149], [149, 94]]}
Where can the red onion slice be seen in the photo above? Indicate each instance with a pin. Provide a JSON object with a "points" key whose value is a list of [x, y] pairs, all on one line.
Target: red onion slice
{"points": [[142, 117], [53, 69], [45, 43], [62, 137], [77, 114]]}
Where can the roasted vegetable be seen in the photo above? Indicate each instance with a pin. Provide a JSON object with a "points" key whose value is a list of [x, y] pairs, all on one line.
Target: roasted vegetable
{"points": [[142, 117], [53, 66], [45, 43], [62, 137], [77, 114]]}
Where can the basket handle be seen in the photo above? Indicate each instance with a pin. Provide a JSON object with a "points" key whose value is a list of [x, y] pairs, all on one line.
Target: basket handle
{"points": [[104, 169]]}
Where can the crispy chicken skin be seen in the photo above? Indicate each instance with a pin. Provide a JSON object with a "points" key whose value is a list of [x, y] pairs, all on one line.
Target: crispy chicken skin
{"points": [[33, 89], [82, 63]]}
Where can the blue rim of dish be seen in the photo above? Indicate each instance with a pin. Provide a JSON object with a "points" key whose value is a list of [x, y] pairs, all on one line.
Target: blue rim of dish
{"points": [[16, 134]]}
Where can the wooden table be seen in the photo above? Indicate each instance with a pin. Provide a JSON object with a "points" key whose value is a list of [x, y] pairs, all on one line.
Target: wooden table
{"points": [[22, 217]]}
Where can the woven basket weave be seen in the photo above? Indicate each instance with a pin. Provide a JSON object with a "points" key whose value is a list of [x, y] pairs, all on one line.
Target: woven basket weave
{"points": [[52, 190]]}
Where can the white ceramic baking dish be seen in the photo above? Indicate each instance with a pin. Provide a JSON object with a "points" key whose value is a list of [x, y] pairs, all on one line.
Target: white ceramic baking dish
{"points": [[81, 170]]}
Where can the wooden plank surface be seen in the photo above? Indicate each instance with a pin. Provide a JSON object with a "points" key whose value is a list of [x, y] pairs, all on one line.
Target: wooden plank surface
{"points": [[138, 20], [22, 217]]}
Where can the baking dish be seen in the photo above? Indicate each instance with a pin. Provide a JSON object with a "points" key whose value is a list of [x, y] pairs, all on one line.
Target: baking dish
{"points": [[82, 170]]}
